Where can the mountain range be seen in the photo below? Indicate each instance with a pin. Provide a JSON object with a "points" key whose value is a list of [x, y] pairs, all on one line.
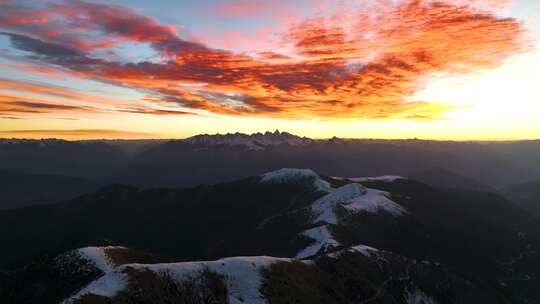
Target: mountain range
{"points": [[284, 236], [208, 159]]}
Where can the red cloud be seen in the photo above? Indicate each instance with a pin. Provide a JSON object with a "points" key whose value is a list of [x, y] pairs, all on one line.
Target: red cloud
{"points": [[364, 68], [18, 107], [73, 24]]}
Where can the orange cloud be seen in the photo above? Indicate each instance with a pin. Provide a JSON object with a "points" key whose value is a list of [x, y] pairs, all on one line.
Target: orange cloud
{"points": [[15, 102], [50, 91], [37, 70], [18, 107], [355, 64]]}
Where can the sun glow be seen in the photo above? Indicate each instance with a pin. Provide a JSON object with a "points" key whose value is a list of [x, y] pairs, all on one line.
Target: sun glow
{"points": [[446, 69]]}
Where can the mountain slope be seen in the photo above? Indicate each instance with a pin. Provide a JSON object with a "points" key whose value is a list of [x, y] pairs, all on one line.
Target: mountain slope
{"points": [[201, 222], [442, 178], [295, 213], [357, 274], [52, 279], [95, 160], [526, 195], [22, 189]]}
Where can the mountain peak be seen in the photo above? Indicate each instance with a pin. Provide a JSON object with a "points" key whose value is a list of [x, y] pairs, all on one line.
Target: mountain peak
{"points": [[255, 141], [287, 175]]}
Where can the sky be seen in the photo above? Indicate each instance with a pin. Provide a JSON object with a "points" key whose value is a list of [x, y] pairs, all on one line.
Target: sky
{"points": [[447, 69]]}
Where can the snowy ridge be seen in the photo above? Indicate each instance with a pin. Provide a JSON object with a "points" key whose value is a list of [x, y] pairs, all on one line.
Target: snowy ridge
{"points": [[242, 274], [256, 141], [98, 257], [291, 175], [375, 201], [323, 241], [323, 208], [107, 285], [111, 282], [355, 198]]}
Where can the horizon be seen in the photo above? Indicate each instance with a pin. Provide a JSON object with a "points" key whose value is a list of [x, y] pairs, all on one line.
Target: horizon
{"points": [[438, 70], [71, 135]]}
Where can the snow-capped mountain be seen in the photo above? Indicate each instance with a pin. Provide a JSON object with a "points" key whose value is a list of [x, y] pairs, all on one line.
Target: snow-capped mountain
{"points": [[290, 235], [351, 198], [263, 279], [256, 141]]}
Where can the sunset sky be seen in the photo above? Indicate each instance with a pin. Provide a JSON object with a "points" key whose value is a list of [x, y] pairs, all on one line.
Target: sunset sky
{"points": [[448, 69]]}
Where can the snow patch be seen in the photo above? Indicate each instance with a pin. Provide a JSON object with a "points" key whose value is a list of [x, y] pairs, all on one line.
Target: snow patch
{"points": [[242, 274], [98, 257], [374, 201], [416, 296], [324, 206], [365, 250], [323, 240], [108, 286], [355, 198], [287, 175]]}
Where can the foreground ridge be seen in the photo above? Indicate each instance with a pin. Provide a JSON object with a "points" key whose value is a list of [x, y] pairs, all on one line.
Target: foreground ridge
{"points": [[286, 236], [259, 279]]}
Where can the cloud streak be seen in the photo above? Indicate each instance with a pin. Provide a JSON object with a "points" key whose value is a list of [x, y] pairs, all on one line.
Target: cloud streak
{"points": [[356, 64]]}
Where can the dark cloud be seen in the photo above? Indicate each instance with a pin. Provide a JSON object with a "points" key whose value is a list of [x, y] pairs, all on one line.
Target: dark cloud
{"points": [[39, 47], [19, 110], [36, 105], [156, 111]]}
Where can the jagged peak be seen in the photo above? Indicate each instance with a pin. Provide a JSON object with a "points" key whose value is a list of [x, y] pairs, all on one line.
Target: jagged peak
{"points": [[255, 141]]}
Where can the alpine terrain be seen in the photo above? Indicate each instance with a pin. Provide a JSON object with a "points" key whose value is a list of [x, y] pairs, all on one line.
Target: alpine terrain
{"points": [[285, 236]]}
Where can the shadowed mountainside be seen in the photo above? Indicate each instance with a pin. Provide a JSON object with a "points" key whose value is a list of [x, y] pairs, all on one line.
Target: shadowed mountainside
{"points": [[293, 213]]}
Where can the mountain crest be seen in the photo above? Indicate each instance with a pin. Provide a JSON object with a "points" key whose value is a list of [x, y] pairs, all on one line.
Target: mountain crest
{"points": [[255, 141]]}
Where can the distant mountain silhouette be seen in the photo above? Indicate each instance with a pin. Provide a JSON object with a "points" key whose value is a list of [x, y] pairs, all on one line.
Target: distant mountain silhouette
{"points": [[526, 195], [204, 159], [93, 159], [21, 189], [216, 158], [442, 178]]}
